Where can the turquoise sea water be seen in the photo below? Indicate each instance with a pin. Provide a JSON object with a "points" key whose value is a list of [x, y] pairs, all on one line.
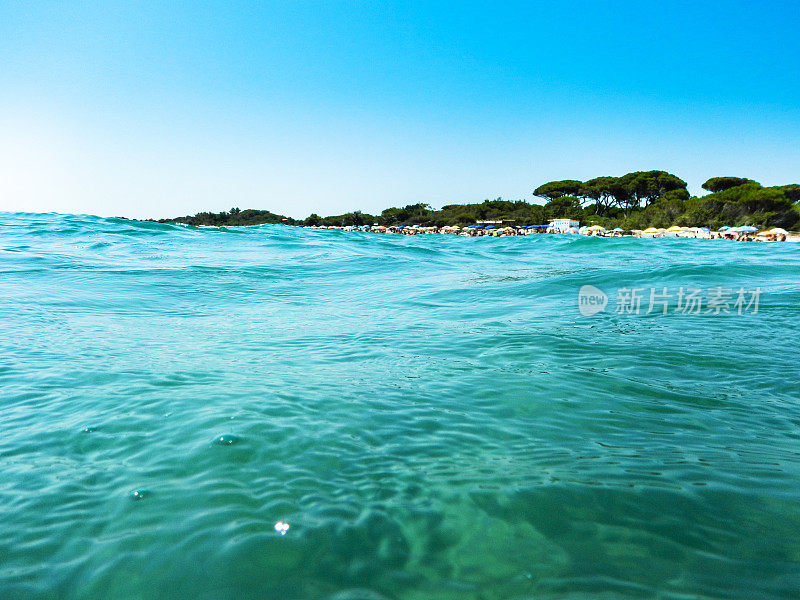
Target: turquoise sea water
{"points": [[430, 415]]}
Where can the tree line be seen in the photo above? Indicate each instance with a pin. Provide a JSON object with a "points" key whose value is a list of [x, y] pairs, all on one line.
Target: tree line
{"points": [[632, 201], [659, 199]]}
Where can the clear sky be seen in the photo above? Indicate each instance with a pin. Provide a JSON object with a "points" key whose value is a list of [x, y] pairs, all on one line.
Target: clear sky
{"points": [[155, 109]]}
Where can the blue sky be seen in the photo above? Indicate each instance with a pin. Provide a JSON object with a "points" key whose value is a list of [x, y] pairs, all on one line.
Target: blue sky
{"points": [[151, 109]]}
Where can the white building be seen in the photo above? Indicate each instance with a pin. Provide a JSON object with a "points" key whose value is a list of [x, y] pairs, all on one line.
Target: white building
{"points": [[563, 225]]}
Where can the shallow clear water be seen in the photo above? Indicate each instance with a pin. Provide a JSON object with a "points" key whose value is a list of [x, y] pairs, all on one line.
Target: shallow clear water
{"points": [[432, 416]]}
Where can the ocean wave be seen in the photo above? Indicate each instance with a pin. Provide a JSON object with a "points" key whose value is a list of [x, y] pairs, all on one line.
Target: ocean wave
{"points": [[431, 416]]}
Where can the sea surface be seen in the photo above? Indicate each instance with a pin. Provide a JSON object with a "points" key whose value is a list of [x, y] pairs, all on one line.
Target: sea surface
{"points": [[279, 413]]}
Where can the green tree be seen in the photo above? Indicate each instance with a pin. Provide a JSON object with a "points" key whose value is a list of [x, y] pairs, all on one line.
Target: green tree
{"points": [[556, 189], [792, 192], [646, 186], [720, 184], [622, 195], [564, 207], [601, 190]]}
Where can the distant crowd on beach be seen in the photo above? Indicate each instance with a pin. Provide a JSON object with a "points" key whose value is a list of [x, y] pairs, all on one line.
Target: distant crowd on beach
{"points": [[744, 233]]}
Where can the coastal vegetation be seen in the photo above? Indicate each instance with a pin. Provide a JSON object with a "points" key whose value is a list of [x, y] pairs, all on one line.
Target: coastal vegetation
{"points": [[632, 201], [233, 217]]}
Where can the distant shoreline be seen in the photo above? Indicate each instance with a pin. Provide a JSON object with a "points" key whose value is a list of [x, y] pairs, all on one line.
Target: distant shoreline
{"points": [[685, 233], [635, 201], [784, 236]]}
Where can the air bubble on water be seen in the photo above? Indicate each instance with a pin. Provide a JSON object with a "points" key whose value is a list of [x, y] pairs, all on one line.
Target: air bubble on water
{"points": [[227, 440], [139, 494], [281, 527], [88, 429]]}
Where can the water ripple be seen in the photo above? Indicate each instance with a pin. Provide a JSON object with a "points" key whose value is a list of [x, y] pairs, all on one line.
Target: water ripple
{"points": [[430, 416]]}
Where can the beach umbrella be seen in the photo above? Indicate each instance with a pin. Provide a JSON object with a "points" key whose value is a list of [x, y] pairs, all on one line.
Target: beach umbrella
{"points": [[765, 232], [748, 229], [596, 228], [778, 230], [651, 230], [617, 230], [704, 229], [489, 227], [724, 228], [674, 228]]}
